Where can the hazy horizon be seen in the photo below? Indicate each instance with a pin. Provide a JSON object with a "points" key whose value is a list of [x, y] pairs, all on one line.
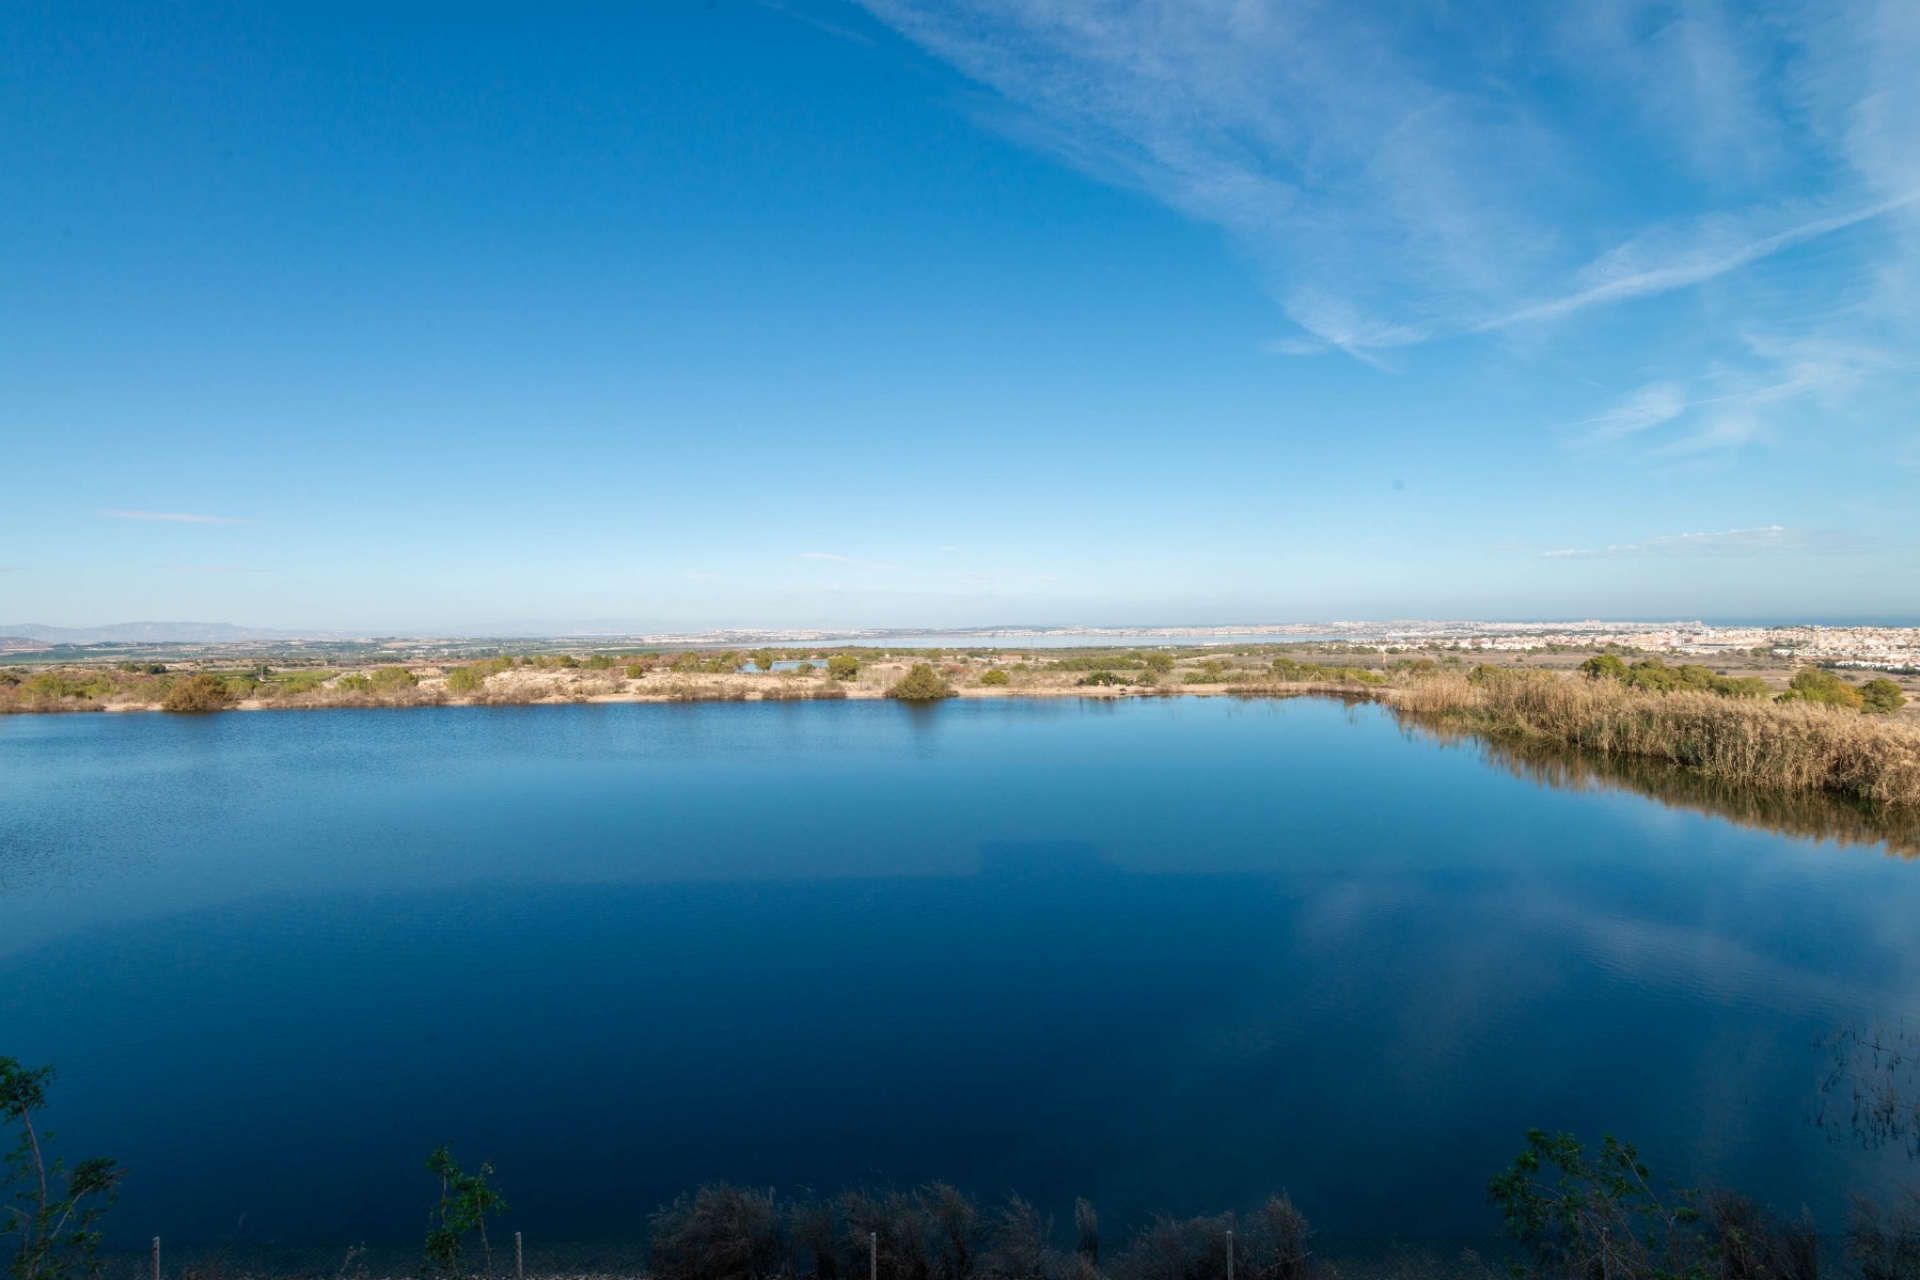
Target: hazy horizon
{"points": [[892, 313]]}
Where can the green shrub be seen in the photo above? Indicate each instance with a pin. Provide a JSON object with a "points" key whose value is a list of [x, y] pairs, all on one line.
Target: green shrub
{"points": [[843, 666], [600, 662], [1811, 684], [1604, 666], [1881, 697], [763, 659], [921, 684], [1159, 663], [995, 676], [197, 692], [393, 679], [1102, 678], [465, 681], [636, 670]]}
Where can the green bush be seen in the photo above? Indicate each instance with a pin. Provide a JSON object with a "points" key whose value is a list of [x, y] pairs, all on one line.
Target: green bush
{"points": [[1811, 684], [1159, 663], [921, 684], [197, 692], [464, 681], [1881, 697], [995, 676], [636, 670], [843, 666], [1102, 678], [1604, 666], [393, 679]]}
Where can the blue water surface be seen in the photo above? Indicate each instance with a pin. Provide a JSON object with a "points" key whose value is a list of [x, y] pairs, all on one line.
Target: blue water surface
{"points": [[1167, 954]]}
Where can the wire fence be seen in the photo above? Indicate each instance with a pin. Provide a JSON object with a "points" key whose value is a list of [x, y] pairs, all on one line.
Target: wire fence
{"points": [[515, 1258]]}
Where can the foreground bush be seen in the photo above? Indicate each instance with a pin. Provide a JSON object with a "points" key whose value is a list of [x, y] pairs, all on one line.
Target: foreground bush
{"points": [[1587, 1216], [921, 684], [937, 1232], [1655, 676], [197, 692]]}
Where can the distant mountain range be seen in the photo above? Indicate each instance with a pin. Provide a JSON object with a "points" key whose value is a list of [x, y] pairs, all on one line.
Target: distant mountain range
{"points": [[146, 633]]}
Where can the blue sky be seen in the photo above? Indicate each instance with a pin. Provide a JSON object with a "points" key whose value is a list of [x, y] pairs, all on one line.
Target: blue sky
{"points": [[816, 313]]}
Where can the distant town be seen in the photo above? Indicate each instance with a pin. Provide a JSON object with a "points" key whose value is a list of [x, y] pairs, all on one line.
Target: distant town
{"points": [[1880, 648]]}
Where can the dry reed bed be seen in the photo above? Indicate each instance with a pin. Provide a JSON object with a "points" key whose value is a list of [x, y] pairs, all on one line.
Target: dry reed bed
{"points": [[1781, 746]]}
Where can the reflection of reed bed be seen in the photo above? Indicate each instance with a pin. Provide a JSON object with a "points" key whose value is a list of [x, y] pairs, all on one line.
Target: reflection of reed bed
{"points": [[1806, 814], [1782, 748]]}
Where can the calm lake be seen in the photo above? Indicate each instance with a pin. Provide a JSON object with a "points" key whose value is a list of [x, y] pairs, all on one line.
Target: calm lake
{"points": [[1168, 954]]}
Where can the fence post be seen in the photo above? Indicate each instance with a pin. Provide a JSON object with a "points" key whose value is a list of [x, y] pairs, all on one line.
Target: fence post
{"points": [[873, 1255], [519, 1259], [1229, 1255], [156, 1258]]}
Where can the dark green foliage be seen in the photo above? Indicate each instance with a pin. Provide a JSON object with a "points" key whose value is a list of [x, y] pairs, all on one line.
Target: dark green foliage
{"points": [[196, 693], [1102, 678], [1748, 1244], [921, 684], [1881, 697], [843, 666], [466, 1201], [1655, 676], [1811, 684], [53, 1211], [763, 659], [393, 679], [1597, 1217], [996, 676], [1158, 663]]}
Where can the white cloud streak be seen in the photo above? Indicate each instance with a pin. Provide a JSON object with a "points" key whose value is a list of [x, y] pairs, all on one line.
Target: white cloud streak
{"points": [[171, 517], [1772, 538], [1396, 175]]}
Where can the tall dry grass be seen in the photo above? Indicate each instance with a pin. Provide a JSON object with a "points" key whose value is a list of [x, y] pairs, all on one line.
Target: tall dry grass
{"points": [[1794, 747]]}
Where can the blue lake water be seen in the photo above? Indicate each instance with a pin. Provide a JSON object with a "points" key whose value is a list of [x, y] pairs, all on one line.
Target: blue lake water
{"points": [[1168, 954]]}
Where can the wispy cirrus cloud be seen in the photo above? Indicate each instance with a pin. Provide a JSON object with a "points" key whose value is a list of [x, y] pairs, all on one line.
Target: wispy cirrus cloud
{"points": [[1771, 538], [1730, 404], [1399, 174], [171, 517]]}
